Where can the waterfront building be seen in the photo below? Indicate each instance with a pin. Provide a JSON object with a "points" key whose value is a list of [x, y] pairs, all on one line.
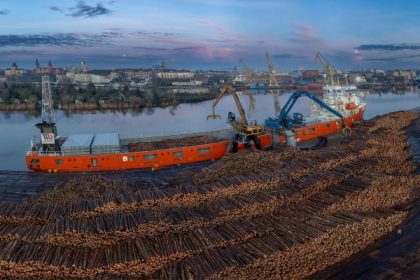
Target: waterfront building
{"points": [[175, 75], [13, 71], [46, 70], [83, 78], [83, 66], [310, 74]]}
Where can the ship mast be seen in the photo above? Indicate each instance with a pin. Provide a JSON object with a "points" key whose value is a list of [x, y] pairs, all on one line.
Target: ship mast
{"points": [[47, 102], [49, 138]]}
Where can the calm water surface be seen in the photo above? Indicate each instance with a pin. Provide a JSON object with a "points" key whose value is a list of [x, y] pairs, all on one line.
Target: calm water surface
{"points": [[18, 128]]}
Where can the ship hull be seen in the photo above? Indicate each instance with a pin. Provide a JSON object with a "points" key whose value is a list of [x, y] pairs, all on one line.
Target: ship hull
{"points": [[309, 132], [54, 163], [161, 158]]}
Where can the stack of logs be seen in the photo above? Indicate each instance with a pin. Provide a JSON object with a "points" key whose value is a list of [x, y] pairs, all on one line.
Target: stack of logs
{"points": [[258, 215], [171, 143]]}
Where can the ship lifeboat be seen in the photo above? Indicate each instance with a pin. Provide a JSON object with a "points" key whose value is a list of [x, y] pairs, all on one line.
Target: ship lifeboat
{"points": [[351, 106]]}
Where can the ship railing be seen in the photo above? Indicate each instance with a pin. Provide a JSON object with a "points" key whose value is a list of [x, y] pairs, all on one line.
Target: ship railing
{"points": [[41, 153], [38, 153]]}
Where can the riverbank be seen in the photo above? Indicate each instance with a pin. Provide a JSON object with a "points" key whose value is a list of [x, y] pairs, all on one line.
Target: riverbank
{"points": [[283, 213], [104, 105]]}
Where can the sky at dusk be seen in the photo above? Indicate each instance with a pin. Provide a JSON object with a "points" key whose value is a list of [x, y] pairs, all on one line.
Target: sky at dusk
{"points": [[210, 34]]}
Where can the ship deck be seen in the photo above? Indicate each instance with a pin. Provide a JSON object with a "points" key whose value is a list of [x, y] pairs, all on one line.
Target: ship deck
{"points": [[222, 134]]}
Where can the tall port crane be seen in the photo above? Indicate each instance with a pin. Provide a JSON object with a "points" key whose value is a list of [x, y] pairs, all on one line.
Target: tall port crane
{"points": [[329, 69], [273, 82], [244, 77], [271, 70], [244, 72], [244, 131]]}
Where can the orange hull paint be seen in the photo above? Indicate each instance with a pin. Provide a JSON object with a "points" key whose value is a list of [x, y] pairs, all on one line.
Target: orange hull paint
{"points": [[126, 161]]}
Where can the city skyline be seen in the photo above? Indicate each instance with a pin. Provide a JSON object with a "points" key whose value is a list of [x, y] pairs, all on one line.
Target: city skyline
{"points": [[205, 34]]}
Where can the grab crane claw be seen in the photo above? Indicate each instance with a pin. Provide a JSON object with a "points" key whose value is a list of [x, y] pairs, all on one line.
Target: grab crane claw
{"points": [[214, 116]]}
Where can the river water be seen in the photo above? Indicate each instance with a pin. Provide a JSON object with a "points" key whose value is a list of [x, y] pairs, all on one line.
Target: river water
{"points": [[18, 128], [394, 257]]}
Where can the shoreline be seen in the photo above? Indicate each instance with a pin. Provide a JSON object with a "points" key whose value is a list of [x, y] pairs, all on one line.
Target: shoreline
{"points": [[88, 107]]}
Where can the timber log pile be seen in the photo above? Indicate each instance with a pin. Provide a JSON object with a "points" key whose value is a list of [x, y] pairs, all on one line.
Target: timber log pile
{"points": [[171, 143], [304, 212]]}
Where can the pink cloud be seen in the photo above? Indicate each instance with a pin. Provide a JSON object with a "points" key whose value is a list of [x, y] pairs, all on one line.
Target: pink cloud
{"points": [[305, 30], [171, 40], [214, 25], [208, 52]]}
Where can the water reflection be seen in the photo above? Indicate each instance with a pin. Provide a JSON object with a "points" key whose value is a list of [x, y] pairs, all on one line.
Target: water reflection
{"points": [[18, 127]]}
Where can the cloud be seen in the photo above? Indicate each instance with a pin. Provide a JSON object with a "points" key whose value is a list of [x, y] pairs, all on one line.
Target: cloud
{"points": [[52, 39], [3, 12], [20, 53], [304, 33], [288, 56], [208, 52], [171, 41], [388, 47], [114, 28], [225, 40], [56, 9], [213, 25], [84, 10], [154, 33], [241, 4], [112, 34], [151, 49], [391, 58]]}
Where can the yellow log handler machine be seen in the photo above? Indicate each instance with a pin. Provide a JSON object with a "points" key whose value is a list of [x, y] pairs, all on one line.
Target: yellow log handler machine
{"points": [[245, 132]]}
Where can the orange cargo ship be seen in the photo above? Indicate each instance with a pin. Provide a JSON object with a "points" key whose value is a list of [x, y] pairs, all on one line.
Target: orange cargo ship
{"points": [[107, 152], [58, 161], [125, 159]]}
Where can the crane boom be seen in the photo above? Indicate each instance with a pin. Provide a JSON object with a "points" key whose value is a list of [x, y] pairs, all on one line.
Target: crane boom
{"points": [[281, 121], [245, 132], [329, 69], [240, 108], [226, 89]]}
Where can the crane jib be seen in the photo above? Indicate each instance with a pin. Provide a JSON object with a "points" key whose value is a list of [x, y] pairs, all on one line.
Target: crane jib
{"points": [[281, 121]]}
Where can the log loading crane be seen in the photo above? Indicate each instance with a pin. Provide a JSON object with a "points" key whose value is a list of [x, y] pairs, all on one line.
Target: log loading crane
{"points": [[245, 133], [285, 125]]}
